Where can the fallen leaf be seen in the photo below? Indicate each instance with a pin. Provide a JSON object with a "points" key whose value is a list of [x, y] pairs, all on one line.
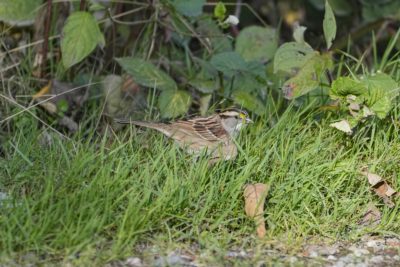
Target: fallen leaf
{"points": [[343, 126], [254, 196], [372, 216], [381, 187]]}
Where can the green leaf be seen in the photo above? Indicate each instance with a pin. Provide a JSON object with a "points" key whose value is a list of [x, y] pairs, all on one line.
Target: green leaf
{"points": [[309, 76], [292, 55], [382, 90], [147, 74], [298, 34], [329, 25], [203, 85], [81, 34], [192, 8], [220, 11], [228, 62], [249, 101], [19, 12], [212, 34], [173, 103], [344, 86], [257, 43]]}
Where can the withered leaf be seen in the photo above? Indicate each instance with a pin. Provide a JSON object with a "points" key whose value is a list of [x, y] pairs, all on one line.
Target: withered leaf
{"points": [[381, 187]]}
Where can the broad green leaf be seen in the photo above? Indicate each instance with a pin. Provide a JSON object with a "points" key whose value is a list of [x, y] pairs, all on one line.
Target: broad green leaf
{"points": [[210, 33], [382, 90], [309, 76], [292, 55], [81, 34], [329, 25], [257, 43], [192, 8], [173, 103], [220, 11], [345, 86], [146, 74], [19, 12], [228, 62], [246, 82], [203, 85], [249, 101]]}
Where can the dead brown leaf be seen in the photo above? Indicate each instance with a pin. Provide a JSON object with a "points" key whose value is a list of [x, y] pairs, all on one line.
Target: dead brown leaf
{"points": [[254, 196], [381, 187]]}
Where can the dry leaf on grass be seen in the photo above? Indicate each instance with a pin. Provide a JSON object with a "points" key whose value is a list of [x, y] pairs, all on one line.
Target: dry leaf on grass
{"points": [[254, 196], [381, 187], [372, 216]]}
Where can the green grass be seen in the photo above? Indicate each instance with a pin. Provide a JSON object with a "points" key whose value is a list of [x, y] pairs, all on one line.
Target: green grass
{"points": [[103, 198]]}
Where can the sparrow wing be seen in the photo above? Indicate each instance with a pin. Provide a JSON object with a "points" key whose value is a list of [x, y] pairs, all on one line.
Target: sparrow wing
{"points": [[209, 129]]}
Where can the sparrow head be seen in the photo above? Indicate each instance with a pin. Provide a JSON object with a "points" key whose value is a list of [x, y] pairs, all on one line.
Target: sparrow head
{"points": [[234, 119]]}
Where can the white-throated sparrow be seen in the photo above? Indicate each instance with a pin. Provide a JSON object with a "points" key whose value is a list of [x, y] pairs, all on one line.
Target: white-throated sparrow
{"points": [[213, 134]]}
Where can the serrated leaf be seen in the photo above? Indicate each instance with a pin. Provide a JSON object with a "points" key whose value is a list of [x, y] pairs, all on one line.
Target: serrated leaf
{"points": [[256, 43], [192, 8], [344, 86], [292, 55], [146, 74], [19, 12], [228, 62], [173, 103], [382, 90], [220, 11], [249, 101], [329, 25], [81, 34]]}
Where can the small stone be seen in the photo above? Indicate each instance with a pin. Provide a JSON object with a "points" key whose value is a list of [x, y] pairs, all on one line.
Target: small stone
{"points": [[358, 252], [377, 259], [134, 262], [331, 258]]}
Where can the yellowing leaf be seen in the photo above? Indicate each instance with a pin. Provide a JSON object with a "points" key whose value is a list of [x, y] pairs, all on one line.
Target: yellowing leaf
{"points": [[173, 103]]}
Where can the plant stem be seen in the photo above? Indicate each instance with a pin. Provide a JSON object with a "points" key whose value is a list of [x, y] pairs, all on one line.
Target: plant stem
{"points": [[46, 37]]}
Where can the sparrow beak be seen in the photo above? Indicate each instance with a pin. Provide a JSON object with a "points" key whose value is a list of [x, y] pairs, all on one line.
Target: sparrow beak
{"points": [[248, 120]]}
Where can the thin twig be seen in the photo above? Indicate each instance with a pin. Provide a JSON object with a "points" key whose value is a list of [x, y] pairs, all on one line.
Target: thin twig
{"points": [[45, 47], [33, 115], [59, 35], [45, 100], [153, 37]]}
